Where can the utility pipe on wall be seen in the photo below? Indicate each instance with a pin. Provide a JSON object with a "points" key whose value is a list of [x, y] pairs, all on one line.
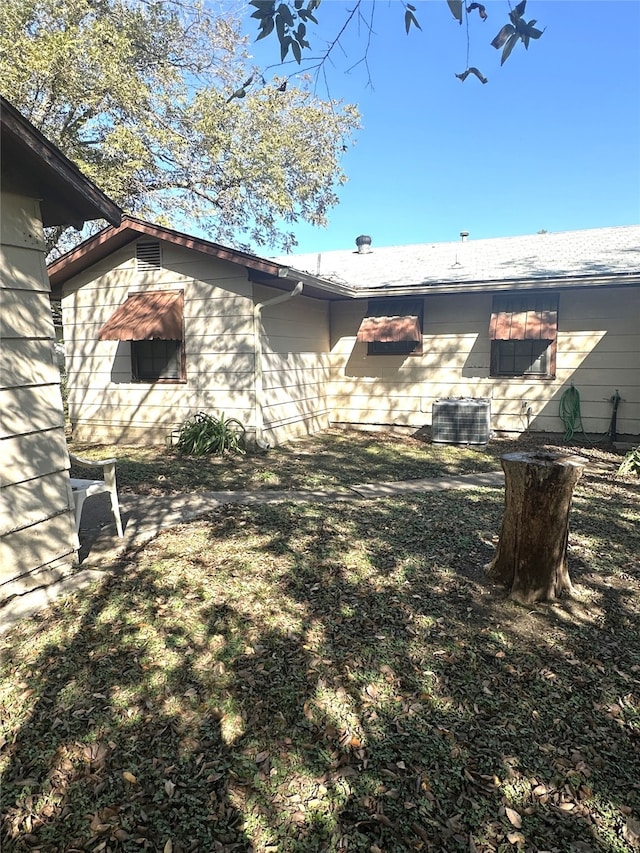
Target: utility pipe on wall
{"points": [[257, 370]]}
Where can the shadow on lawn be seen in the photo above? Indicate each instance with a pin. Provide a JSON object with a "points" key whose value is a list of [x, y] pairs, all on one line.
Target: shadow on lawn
{"points": [[472, 720], [110, 748], [332, 458], [300, 678]]}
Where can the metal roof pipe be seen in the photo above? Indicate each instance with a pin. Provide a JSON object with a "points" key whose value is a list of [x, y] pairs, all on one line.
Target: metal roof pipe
{"points": [[261, 444], [363, 242]]}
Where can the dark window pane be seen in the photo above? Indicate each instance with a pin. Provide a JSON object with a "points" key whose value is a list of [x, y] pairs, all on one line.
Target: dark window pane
{"points": [[392, 347], [520, 358], [153, 360]]}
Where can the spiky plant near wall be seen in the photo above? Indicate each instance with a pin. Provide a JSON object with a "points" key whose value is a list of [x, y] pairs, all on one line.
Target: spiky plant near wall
{"points": [[205, 434], [631, 463]]}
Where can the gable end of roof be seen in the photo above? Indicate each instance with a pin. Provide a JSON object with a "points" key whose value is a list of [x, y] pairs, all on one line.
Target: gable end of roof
{"points": [[34, 166]]}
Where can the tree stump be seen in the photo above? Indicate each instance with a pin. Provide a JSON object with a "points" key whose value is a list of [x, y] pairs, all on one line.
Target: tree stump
{"points": [[531, 557]]}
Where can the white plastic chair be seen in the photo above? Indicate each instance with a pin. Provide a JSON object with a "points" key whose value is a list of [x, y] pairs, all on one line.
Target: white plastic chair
{"points": [[83, 489]]}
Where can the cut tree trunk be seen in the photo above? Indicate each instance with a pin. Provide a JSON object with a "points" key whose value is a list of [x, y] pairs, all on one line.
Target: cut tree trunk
{"points": [[531, 557]]}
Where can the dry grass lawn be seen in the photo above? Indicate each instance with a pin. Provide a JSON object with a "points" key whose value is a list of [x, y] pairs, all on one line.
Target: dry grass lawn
{"points": [[340, 677]]}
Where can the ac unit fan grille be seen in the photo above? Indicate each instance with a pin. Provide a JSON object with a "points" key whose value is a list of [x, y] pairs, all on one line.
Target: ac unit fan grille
{"points": [[461, 421]]}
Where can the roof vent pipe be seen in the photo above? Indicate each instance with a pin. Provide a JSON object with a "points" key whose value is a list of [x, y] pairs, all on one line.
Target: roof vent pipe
{"points": [[363, 242], [464, 235]]}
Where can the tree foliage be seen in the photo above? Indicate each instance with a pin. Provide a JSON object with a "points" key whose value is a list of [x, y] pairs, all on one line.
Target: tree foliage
{"points": [[145, 98], [289, 20]]}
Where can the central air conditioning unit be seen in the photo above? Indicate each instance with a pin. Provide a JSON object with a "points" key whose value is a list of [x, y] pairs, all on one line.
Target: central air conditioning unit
{"points": [[461, 420]]}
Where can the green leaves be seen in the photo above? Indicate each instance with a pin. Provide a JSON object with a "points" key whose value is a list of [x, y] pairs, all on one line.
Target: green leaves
{"points": [[288, 20], [630, 464], [265, 13], [517, 30], [475, 72], [155, 102], [507, 37], [503, 36], [242, 91], [481, 10], [204, 434], [283, 19]]}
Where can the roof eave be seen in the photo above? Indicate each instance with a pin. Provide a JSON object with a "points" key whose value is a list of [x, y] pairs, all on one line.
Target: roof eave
{"points": [[74, 199], [109, 239], [494, 286]]}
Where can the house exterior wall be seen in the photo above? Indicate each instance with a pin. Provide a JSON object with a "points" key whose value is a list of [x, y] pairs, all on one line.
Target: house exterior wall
{"points": [[105, 405], [295, 366], [598, 351], [37, 530]]}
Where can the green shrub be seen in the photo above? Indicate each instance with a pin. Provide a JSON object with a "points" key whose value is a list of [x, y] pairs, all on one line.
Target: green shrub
{"points": [[631, 463], [204, 434]]}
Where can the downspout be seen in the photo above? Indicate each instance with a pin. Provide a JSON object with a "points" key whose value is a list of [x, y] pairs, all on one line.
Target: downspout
{"points": [[261, 444]]}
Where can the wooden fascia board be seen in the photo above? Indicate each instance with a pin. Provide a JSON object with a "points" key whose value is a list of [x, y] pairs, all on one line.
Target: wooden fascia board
{"points": [[263, 271], [90, 252], [90, 202], [109, 239], [624, 280]]}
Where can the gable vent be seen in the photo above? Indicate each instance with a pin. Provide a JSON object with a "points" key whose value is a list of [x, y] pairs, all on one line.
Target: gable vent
{"points": [[148, 257]]}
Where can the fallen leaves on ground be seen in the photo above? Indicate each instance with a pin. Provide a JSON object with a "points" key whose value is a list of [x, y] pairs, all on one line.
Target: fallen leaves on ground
{"points": [[336, 677]]}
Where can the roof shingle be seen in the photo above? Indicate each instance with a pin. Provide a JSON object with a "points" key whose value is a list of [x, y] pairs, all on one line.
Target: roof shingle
{"points": [[549, 256]]}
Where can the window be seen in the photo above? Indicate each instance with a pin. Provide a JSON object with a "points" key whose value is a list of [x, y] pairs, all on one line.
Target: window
{"points": [[156, 360], [393, 326], [153, 322], [521, 358], [523, 335]]}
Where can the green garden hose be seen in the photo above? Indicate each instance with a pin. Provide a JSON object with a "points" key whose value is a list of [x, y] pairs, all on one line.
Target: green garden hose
{"points": [[570, 413], [571, 416]]}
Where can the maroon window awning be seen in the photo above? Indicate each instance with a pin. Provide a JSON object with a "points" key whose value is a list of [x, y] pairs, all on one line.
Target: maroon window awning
{"points": [[386, 329], [520, 318], [155, 315]]}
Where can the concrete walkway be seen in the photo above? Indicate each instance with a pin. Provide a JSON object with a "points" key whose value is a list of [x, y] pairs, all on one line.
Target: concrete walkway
{"points": [[144, 516]]}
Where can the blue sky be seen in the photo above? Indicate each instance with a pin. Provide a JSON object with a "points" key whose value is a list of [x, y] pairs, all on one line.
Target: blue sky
{"points": [[551, 141]]}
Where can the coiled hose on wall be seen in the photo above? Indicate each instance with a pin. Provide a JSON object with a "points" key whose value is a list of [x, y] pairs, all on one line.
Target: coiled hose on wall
{"points": [[571, 416]]}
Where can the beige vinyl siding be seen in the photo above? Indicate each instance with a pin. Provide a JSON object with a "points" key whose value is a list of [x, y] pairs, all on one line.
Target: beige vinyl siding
{"points": [[598, 351], [37, 531], [105, 404], [314, 372], [41, 401], [27, 556], [295, 365], [25, 313]]}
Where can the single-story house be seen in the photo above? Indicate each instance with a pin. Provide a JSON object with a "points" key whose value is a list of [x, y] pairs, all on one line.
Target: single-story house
{"points": [[159, 325], [39, 187]]}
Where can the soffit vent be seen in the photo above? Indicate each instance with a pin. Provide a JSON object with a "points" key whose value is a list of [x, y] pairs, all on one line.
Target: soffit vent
{"points": [[148, 257]]}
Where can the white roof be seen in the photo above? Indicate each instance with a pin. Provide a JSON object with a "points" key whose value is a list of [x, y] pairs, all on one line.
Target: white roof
{"points": [[589, 254]]}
